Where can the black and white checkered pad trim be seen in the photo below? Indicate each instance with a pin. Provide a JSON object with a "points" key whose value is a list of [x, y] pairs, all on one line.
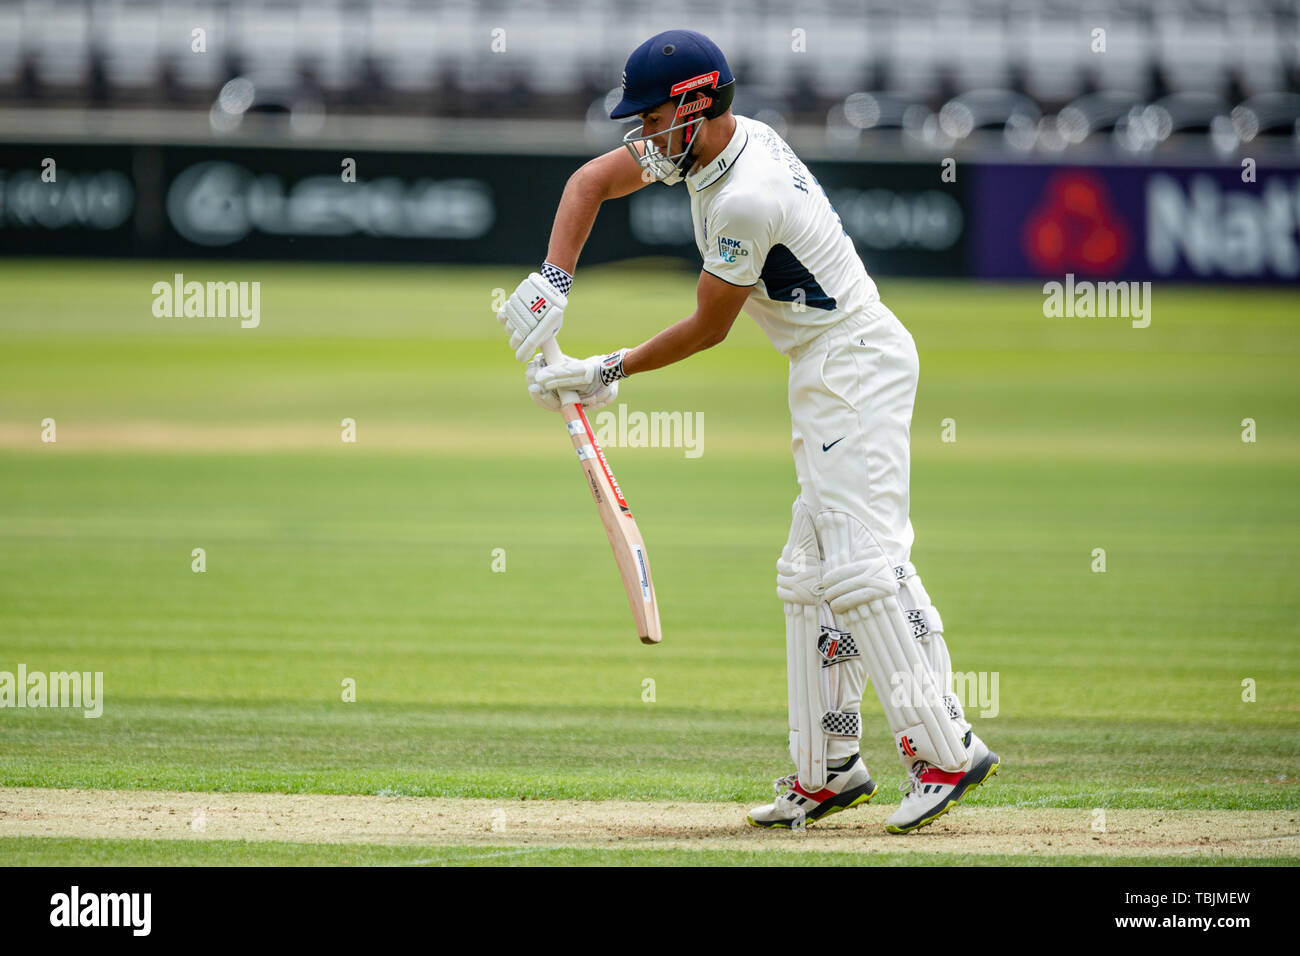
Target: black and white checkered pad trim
{"points": [[840, 724], [920, 626], [557, 277], [835, 645]]}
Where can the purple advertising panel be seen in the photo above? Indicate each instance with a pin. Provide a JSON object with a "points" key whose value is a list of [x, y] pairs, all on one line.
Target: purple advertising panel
{"points": [[1207, 224]]}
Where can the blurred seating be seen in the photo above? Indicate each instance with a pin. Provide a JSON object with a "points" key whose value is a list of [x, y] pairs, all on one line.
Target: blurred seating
{"points": [[558, 58]]}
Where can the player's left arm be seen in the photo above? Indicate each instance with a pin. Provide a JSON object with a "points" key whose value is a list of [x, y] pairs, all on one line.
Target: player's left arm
{"points": [[717, 303], [595, 379], [740, 235]]}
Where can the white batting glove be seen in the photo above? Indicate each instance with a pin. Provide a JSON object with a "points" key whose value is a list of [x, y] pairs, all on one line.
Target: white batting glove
{"points": [[533, 314], [593, 397], [583, 375]]}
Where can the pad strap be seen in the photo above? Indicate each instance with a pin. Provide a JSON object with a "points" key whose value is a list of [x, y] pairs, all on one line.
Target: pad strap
{"points": [[839, 724], [924, 620], [836, 647]]}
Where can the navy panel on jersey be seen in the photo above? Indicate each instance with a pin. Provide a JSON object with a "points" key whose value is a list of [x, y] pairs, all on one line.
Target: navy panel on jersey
{"points": [[783, 273]]}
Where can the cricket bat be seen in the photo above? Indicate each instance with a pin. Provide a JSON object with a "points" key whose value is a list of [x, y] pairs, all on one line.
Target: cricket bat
{"points": [[624, 535]]}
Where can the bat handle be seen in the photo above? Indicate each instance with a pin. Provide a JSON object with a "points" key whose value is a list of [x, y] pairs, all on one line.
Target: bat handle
{"points": [[551, 352]]}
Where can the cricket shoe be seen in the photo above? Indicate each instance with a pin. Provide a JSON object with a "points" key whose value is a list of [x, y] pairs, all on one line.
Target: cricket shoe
{"points": [[929, 793], [847, 786]]}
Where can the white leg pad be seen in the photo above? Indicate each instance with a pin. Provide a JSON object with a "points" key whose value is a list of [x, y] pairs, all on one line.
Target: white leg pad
{"points": [[913, 596], [807, 739], [825, 673], [799, 585], [861, 587], [909, 695], [844, 678]]}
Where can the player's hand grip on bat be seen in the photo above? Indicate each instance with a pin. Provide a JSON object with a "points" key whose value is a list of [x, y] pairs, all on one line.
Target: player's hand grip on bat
{"points": [[587, 377], [583, 375], [535, 311]]}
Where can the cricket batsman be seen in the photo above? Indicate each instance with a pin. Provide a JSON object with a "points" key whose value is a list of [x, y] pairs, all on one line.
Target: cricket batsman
{"points": [[855, 607]]}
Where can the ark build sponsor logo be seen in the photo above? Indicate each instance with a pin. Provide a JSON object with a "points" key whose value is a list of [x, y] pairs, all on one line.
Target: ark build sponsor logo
{"points": [[731, 250], [75, 908], [218, 203]]}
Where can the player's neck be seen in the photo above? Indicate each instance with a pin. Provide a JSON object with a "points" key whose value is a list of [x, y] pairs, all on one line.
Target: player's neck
{"points": [[714, 139]]}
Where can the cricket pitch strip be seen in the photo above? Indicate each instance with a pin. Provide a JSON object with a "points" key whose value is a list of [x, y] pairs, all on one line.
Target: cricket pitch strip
{"points": [[315, 818]]}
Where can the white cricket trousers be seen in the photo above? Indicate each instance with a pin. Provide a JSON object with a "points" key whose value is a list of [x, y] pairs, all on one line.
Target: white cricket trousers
{"points": [[851, 396]]}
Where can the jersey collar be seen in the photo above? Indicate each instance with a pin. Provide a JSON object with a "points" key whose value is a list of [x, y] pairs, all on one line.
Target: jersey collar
{"points": [[708, 175]]}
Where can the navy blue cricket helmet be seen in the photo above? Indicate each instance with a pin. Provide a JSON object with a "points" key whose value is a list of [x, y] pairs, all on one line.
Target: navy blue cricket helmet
{"points": [[686, 69], [658, 69]]}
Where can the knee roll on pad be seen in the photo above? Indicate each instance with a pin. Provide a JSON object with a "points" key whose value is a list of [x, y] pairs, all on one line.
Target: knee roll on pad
{"points": [[857, 571], [799, 569]]}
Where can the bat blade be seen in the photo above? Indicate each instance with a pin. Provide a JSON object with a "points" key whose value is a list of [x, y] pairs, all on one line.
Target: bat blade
{"points": [[620, 527]]}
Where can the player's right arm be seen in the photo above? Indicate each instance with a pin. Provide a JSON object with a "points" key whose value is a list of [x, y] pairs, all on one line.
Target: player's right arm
{"points": [[535, 312], [611, 176]]}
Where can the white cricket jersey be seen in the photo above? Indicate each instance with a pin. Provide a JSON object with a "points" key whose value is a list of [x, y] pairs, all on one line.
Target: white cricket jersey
{"points": [[762, 220]]}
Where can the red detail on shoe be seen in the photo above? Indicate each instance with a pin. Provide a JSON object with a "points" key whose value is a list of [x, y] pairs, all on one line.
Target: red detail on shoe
{"points": [[824, 794], [935, 775]]}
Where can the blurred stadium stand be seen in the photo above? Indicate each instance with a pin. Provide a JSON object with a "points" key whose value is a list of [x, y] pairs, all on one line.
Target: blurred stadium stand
{"points": [[923, 74]]}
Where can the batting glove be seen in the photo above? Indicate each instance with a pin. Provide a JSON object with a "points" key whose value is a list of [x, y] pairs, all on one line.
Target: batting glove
{"points": [[583, 375], [535, 311], [595, 397]]}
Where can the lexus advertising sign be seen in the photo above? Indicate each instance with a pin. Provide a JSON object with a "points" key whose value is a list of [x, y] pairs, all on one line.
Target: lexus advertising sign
{"points": [[188, 202]]}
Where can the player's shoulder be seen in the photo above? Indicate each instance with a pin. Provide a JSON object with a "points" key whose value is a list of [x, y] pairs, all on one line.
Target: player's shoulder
{"points": [[749, 193], [769, 148]]}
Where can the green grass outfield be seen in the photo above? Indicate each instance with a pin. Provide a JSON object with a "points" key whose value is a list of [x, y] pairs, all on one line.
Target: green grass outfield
{"points": [[373, 561]]}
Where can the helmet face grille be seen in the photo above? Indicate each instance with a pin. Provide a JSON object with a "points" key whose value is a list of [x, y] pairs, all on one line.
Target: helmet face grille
{"points": [[700, 99]]}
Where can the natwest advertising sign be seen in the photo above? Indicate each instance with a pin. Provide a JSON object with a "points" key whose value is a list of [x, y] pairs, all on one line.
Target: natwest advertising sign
{"points": [[1207, 224], [1137, 222]]}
